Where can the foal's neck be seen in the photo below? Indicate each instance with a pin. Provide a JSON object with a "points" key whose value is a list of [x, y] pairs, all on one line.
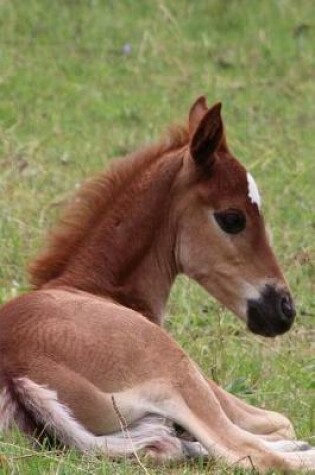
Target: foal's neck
{"points": [[129, 255]]}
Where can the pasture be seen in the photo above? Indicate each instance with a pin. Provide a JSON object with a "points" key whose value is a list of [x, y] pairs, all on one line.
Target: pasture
{"points": [[84, 82]]}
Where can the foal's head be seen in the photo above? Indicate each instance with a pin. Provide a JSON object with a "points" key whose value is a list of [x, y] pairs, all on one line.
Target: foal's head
{"points": [[222, 241]]}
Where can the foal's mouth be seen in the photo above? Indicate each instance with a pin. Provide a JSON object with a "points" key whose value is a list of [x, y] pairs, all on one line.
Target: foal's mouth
{"points": [[272, 314]]}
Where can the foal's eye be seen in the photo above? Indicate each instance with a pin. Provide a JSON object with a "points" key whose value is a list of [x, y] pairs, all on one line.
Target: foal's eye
{"points": [[231, 221]]}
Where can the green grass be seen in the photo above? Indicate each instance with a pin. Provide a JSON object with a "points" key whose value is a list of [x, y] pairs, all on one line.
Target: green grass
{"points": [[71, 100]]}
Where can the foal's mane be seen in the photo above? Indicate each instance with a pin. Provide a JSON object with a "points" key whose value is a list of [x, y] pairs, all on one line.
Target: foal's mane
{"points": [[90, 203]]}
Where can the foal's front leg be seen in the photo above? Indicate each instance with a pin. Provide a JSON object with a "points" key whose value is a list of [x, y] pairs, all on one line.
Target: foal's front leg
{"points": [[187, 399], [268, 424]]}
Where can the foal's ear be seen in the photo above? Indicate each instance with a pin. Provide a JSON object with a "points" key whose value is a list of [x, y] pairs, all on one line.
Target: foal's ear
{"points": [[197, 111], [208, 134]]}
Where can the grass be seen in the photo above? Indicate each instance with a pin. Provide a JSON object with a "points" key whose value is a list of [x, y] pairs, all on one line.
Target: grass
{"points": [[84, 81]]}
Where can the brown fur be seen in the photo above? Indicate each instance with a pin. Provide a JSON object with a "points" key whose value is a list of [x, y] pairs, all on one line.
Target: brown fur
{"points": [[92, 201], [78, 355]]}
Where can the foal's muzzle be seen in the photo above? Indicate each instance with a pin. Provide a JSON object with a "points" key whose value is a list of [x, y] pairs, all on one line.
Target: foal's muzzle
{"points": [[272, 314]]}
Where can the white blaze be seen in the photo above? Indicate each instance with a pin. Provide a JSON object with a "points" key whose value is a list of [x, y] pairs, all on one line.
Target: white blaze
{"points": [[253, 192]]}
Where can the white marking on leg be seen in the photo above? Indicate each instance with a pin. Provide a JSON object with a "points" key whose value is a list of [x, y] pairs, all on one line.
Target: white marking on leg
{"points": [[253, 192]]}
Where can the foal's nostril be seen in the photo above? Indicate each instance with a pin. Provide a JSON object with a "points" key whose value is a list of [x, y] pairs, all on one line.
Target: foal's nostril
{"points": [[287, 308], [273, 313]]}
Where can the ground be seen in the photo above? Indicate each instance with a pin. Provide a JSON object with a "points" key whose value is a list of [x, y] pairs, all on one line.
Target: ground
{"points": [[82, 82]]}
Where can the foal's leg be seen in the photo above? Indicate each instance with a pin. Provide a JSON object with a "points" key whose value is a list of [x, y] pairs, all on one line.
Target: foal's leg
{"points": [[38, 410], [181, 395], [270, 425], [186, 399]]}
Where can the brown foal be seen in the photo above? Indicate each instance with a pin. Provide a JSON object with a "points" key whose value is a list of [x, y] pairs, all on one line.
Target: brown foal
{"points": [[85, 350]]}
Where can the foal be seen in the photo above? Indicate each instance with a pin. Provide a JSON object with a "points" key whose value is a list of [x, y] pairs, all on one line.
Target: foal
{"points": [[85, 350]]}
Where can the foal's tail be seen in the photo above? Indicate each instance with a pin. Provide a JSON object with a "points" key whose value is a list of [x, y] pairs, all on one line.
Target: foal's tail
{"points": [[36, 411]]}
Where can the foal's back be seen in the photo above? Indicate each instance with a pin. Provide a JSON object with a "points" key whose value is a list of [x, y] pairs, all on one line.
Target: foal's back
{"points": [[91, 336]]}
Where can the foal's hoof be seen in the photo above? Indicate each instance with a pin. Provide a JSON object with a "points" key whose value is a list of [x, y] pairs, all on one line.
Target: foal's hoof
{"points": [[289, 446], [166, 449], [301, 446]]}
